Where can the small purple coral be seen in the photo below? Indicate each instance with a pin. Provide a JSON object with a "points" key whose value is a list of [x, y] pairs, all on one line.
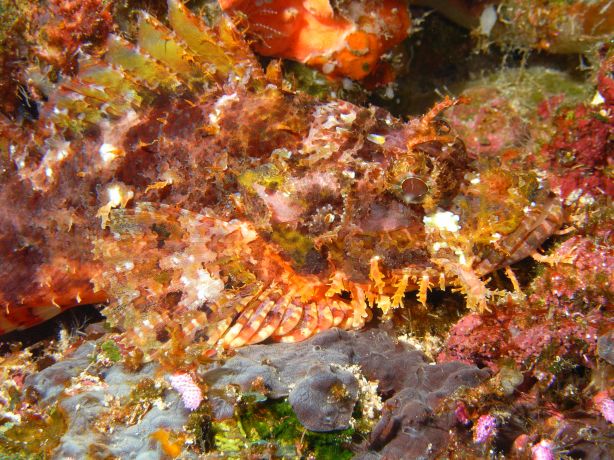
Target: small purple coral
{"points": [[484, 429], [191, 394], [543, 450]]}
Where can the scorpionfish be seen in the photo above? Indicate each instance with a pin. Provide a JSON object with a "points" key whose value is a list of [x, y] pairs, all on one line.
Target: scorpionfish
{"points": [[209, 206]]}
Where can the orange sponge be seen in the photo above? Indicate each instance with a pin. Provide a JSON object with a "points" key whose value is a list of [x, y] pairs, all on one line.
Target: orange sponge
{"points": [[344, 42]]}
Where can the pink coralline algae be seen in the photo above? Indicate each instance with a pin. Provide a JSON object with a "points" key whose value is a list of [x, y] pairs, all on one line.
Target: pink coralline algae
{"points": [[582, 276], [190, 392], [605, 405], [484, 339], [462, 414], [571, 290], [485, 429], [607, 409], [542, 450], [580, 153], [486, 121]]}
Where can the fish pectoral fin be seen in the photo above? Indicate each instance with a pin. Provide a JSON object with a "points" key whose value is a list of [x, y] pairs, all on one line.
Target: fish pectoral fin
{"points": [[172, 273], [160, 263], [539, 223]]}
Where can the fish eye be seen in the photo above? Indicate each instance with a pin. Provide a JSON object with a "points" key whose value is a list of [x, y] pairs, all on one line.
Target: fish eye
{"points": [[442, 127], [411, 189]]}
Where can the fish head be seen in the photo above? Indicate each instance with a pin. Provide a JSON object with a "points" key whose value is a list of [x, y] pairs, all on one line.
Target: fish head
{"points": [[359, 186]]}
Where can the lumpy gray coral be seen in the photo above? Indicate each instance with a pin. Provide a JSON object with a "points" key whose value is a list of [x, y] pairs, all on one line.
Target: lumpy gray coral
{"points": [[118, 412], [312, 373], [87, 397]]}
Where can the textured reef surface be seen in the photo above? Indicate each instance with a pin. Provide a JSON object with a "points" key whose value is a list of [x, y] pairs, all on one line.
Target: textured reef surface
{"points": [[306, 229]]}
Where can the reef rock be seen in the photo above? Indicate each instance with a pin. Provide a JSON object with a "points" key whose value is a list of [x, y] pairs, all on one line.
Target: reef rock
{"points": [[107, 412]]}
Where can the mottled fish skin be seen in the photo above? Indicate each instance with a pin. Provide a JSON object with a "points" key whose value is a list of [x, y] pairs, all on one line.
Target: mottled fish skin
{"points": [[211, 207]]}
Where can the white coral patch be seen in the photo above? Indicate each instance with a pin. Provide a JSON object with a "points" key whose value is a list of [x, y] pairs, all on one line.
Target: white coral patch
{"points": [[488, 19], [214, 116], [108, 152], [371, 402], [442, 220], [205, 287]]}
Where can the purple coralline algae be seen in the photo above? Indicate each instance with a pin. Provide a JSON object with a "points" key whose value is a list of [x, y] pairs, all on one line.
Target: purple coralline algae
{"points": [[485, 429], [190, 392]]}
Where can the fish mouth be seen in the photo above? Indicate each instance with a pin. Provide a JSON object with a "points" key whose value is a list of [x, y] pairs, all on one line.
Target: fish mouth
{"points": [[540, 222]]}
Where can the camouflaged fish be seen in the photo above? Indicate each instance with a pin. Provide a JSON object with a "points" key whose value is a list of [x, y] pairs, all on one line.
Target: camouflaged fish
{"points": [[209, 206]]}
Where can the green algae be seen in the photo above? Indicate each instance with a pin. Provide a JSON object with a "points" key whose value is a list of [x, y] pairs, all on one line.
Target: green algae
{"points": [[297, 245], [272, 428], [305, 79], [111, 351], [267, 175], [34, 437], [146, 390], [199, 427], [526, 87], [308, 80]]}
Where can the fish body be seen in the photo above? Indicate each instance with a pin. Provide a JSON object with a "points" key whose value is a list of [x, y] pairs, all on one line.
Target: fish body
{"points": [[210, 207]]}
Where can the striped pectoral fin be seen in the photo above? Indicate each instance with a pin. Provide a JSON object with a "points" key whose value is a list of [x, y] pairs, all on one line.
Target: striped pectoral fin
{"points": [[227, 310], [325, 316], [338, 311], [305, 328], [291, 317], [272, 321], [269, 314], [249, 333], [250, 320], [265, 314], [539, 223]]}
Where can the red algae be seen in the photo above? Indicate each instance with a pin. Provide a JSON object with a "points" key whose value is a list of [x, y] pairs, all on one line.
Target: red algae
{"points": [[572, 291], [489, 340], [580, 273], [581, 154]]}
